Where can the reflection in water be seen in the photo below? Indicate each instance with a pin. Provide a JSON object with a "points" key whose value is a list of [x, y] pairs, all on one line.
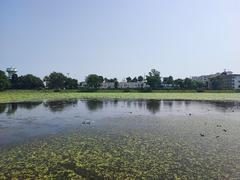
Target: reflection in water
{"points": [[11, 108], [3, 108], [154, 135], [226, 105], [94, 105], [153, 106], [58, 106], [29, 105], [168, 103], [47, 119]]}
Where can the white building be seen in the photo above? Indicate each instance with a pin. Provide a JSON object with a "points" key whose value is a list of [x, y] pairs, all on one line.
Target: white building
{"points": [[205, 78], [11, 71], [133, 85], [108, 85], [236, 82]]}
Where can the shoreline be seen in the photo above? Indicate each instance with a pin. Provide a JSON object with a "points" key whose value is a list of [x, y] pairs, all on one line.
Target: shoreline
{"points": [[27, 95]]}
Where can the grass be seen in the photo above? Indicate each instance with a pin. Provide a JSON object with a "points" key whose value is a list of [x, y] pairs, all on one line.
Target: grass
{"points": [[30, 95], [115, 156]]}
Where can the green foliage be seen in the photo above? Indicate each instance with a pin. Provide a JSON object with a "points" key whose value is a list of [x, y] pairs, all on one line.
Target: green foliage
{"points": [[29, 81], [116, 84], [140, 78], [4, 81], [129, 79], [55, 80], [178, 83], [110, 80], [188, 84], [154, 79], [168, 80], [134, 79], [14, 81], [216, 83], [60, 81], [71, 83], [94, 81]]}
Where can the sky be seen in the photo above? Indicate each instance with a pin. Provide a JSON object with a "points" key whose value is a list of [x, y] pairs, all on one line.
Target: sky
{"points": [[120, 38]]}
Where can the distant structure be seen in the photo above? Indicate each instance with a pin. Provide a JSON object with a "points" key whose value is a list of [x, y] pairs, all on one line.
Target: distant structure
{"points": [[205, 78], [226, 80], [11, 71]]}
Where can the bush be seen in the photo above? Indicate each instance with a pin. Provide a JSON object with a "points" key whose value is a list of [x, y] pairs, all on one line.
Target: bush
{"points": [[57, 90], [238, 91], [200, 90], [87, 90], [126, 90], [146, 90]]}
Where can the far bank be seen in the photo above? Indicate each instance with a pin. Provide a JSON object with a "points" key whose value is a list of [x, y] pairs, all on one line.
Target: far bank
{"points": [[31, 95]]}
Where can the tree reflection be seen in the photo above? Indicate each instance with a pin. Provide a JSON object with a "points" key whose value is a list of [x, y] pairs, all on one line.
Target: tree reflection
{"points": [[224, 106], [3, 108], [28, 105], [12, 107], [153, 106], [94, 105], [168, 103], [58, 106]]}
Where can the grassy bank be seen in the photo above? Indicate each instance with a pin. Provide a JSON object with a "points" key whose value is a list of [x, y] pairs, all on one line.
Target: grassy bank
{"points": [[16, 96]]}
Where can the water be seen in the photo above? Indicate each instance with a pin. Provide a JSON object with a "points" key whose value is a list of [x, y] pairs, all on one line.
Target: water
{"points": [[120, 139]]}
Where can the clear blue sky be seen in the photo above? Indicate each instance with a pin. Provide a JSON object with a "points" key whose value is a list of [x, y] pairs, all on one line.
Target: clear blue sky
{"points": [[118, 38]]}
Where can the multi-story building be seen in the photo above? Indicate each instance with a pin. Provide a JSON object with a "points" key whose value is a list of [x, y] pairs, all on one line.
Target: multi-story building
{"points": [[230, 81], [226, 80], [205, 78]]}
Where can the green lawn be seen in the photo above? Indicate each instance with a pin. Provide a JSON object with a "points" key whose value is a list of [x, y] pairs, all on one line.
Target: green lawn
{"points": [[19, 95]]}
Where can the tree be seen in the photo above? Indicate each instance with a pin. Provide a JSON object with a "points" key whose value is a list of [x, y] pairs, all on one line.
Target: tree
{"points": [[110, 80], [154, 79], [71, 83], [4, 81], [188, 84], [216, 83], [140, 78], [168, 80], [55, 80], [134, 79], [29, 81], [116, 84], [94, 81], [178, 83], [129, 79], [14, 81]]}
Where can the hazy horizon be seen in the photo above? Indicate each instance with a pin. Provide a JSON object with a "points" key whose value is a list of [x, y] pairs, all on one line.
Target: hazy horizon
{"points": [[120, 38]]}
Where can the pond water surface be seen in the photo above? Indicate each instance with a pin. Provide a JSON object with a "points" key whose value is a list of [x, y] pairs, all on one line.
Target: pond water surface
{"points": [[99, 139]]}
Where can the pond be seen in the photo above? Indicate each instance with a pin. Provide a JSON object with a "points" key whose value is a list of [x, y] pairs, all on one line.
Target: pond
{"points": [[117, 139]]}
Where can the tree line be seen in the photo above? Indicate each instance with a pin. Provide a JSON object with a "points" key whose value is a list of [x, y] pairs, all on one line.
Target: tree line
{"points": [[57, 80]]}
